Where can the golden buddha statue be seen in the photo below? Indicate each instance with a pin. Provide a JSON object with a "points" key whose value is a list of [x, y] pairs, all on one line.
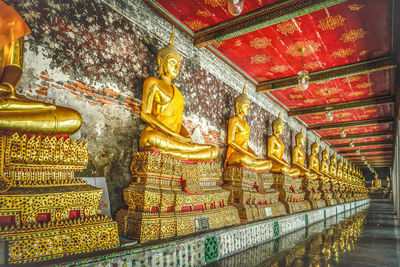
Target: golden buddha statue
{"points": [[239, 153], [387, 182], [344, 172], [324, 163], [17, 113], [332, 166], [162, 111], [339, 172], [377, 183], [313, 160], [299, 157], [276, 148]]}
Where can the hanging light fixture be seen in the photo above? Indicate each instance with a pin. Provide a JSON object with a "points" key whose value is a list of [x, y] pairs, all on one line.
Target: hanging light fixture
{"points": [[352, 144], [329, 115], [235, 7], [303, 78], [363, 158], [358, 152], [343, 133]]}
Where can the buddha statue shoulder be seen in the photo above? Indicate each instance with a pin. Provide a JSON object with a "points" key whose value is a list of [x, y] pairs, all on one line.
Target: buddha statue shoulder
{"points": [[162, 111], [239, 153], [18, 113], [332, 166], [276, 149], [299, 157], [339, 172]]}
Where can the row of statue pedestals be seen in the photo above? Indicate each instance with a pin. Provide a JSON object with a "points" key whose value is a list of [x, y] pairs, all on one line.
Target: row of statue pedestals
{"points": [[47, 213]]}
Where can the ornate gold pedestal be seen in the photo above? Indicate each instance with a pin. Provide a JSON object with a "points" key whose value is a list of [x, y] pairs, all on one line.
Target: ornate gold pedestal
{"points": [[325, 187], [290, 193], [337, 194], [312, 193], [46, 212], [169, 197], [251, 193]]}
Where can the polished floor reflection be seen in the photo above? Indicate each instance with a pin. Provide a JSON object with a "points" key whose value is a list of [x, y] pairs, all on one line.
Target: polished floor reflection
{"points": [[361, 237]]}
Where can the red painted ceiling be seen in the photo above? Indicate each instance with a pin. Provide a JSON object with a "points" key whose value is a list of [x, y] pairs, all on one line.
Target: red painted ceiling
{"points": [[200, 14], [340, 149], [357, 130], [336, 91], [361, 140]]}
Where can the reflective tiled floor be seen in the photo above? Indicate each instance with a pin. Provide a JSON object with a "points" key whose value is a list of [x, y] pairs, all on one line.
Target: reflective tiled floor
{"points": [[362, 237]]}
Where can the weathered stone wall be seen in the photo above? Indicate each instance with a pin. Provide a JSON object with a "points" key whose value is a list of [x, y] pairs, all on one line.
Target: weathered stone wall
{"points": [[85, 55]]}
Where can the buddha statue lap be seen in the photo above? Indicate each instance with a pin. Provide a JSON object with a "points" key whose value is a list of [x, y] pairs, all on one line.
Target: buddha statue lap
{"points": [[175, 183], [286, 179], [42, 201], [247, 177]]}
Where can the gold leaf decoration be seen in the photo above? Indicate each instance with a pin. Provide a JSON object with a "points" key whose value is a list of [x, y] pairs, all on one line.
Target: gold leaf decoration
{"points": [[203, 13], [238, 43], [309, 47], [362, 53], [259, 43], [288, 27], [342, 53], [352, 35], [195, 25], [355, 7], [328, 91], [310, 101], [356, 93], [216, 3], [296, 96], [259, 59], [352, 79], [279, 68], [312, 65], [331, 23], [364, 85]]}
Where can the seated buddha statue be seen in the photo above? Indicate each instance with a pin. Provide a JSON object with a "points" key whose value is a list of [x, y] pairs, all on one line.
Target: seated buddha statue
{"points": [[276, 148], [17, 113], [325, 163], [239, 153], [377, 183], [387, 182], [344, 171], [299, 157], [332, 166], [162, 111], [313, 160], [339, 173]]}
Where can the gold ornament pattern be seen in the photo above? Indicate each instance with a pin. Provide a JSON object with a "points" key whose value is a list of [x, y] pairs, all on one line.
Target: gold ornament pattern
{"points": [[310, 101], [238, 43], [195, 25], [343, 52], [364, 85], [296, 96], [288, 27], [260, 43], [357, 93], [363, 53], [352, 35], [328, 91], [312, 65], [331, 23], [309, 47], [355, 7], [279, 68], [259, 59], [352, 79], [203, 13], [216, 3]]}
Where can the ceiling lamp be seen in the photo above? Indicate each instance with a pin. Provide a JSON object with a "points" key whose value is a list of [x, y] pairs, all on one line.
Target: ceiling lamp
{"points": [[303, 78], [363, 158], [343, 133], [358, 152], [329, 115], [352, 144], [235, 7]]}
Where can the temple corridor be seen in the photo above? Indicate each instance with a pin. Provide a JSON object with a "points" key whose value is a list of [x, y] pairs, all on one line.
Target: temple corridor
{"points": [[366, 236]]}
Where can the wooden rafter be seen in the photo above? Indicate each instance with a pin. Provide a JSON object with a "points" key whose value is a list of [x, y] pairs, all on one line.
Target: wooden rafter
{"points": [[386, 142], [357, 136], [330, 74], [376, 101], [350, 123], [261, 18], [365, 151]]}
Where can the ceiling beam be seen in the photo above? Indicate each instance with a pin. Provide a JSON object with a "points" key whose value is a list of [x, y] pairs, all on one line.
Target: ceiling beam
{"points": [[386, 142], [365, 151], [350, 124], [362, 103], [368, 66], [259, 19], [357, 136]]}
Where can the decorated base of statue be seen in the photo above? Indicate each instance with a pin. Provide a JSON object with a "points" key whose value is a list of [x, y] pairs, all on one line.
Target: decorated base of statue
{"points": [[327, 195], [171, 197], [251, 193], [312, 194], [338, 196], [46, 212], [290, 193]]}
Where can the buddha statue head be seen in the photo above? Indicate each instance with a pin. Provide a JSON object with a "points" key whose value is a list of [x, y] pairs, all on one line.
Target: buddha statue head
{"points": [[242, 104], [278, 126], [169, 61], [325, 154], [300, 138], [315, 148]]}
